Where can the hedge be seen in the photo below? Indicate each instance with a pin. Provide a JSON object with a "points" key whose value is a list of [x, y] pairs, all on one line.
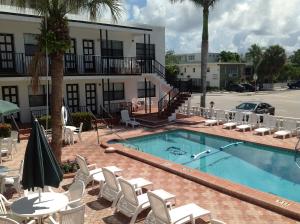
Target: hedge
{"points": [[5, 130], [77, 117]]}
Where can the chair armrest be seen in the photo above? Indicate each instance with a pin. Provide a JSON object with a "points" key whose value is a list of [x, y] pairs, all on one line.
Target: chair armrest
{"points": [[93, 165], [72, 202], [51, 219]]}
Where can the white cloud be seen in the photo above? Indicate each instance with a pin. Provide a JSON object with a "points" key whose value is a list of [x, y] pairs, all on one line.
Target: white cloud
{"points": [[233, 25]]}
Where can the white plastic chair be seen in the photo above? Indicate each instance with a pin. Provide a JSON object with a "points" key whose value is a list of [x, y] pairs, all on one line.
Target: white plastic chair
{"points": [[14, 137], [75, 194], [220, 118], [110, 190], [69, 136], [183, 214], [6, 148], [268, 125], [5, 220], [14, 180], [127, 120], [78, 131], [70, 216], [251, 123], [289, 127], [86, 172], [131, 204], [237, 120], [216, 221]]}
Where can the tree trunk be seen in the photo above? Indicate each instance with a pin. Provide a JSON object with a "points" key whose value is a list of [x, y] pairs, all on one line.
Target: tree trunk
{"points": [[204, 54], [56, 69]]}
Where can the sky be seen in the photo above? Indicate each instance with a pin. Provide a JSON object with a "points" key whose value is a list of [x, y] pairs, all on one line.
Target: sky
{"points": [[233, 24]]}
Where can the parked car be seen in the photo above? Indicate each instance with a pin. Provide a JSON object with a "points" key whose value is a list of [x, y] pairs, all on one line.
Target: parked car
{"points": [[236, 88], [294, 85], [248, 87], [255, 107]]}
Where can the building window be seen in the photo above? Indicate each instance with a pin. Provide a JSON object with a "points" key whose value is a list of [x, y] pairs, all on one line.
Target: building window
{"points": [[6, 52], [112, 48], [194, 70], [114, 92], [11, 94], [91, 96], [73, 97], [31, 44], [88, 55], [70, 58], [145, 51], [151, 90], [185, 70], [214, 76], [208, 69], [38, 99], [191, 57]]}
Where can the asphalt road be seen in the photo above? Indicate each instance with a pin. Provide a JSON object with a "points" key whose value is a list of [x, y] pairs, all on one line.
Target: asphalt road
{"points": [[286, 102]]}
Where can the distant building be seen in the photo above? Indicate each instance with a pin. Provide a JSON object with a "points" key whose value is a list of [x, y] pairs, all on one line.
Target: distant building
{"points": [[219, 74]]}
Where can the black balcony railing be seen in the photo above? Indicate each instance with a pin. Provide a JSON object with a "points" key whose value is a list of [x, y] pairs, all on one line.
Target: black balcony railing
{"points": [[83, 64]]}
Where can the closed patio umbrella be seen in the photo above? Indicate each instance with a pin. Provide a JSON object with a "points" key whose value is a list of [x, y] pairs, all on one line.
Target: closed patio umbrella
{"points": [[7, 108], [40, 166]]}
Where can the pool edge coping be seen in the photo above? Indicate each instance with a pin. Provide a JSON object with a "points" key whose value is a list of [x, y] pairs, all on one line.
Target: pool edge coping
{"points": [[265, 200]]}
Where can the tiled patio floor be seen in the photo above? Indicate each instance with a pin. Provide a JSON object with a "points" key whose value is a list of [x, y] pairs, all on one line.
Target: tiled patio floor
{"points": [[222, 206]]}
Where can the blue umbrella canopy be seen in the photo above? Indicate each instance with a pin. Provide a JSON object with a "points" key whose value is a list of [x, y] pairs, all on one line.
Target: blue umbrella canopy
{"points": [[40, 166], [7, 108]]}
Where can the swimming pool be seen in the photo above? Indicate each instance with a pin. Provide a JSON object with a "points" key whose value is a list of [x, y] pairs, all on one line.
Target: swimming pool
{"points": [[260, 167]]}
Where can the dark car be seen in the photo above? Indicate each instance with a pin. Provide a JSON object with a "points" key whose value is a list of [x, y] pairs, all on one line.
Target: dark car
{"points": [[256, 107], [236, 88], [294, 85], [248, 87]]}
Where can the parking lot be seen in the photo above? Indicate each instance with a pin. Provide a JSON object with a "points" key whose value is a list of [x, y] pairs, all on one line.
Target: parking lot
{"points": [[286, 102]]}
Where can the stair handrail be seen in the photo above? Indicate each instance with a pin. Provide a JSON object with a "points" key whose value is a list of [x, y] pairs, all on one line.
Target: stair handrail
{"points": [[169, 98], [159, 69]]}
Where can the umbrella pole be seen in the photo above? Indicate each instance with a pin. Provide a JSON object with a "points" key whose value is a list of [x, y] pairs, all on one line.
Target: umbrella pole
{"points": [[40, 197]]}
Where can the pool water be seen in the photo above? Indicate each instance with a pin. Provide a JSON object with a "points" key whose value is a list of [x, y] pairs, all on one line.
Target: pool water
{"points": [[264, 168]]}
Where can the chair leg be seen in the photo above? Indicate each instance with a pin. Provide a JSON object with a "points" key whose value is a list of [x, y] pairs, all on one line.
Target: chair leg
{"points": [[133, 218]]}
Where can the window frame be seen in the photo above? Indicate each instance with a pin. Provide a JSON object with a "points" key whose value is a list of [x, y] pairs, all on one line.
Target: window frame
{"points": [[112, 92]]}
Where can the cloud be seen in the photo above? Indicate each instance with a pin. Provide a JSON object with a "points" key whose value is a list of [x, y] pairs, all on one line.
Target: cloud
{"points": [[233, 25]]}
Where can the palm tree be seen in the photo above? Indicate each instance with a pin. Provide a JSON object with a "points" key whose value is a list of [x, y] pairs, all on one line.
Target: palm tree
{"points": [[206, 5], [55, 40]]}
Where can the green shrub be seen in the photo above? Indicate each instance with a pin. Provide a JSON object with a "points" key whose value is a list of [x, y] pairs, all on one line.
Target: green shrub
{"points": [[69, 166], [84, 117], [42, 120], [77, 117], [5, 130]]}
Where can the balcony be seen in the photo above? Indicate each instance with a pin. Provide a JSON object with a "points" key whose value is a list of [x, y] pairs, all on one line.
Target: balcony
{"points": [[18, 64]]}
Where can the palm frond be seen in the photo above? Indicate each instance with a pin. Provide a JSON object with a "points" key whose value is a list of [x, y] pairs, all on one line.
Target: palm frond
{"points": [[97, 7], [39, 6], [37, 68]]}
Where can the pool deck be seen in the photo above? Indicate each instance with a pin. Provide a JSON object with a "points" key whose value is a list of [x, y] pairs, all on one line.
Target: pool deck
{"points": [[185, 184]]}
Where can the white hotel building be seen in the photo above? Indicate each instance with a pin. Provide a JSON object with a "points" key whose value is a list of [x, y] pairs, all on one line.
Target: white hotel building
{"points": [[107, 66]]}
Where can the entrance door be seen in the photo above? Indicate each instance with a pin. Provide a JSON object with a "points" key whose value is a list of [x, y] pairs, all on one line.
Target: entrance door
{"points": [[10, 93], [7, 61], [71, 58], [88, 56], [73, 97], [91, 97]]}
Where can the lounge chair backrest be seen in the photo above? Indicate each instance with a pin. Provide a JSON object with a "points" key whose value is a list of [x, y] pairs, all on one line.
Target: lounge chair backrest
{"points": [[82, 165], [111, 179], [253, 119], [76, 190], [272, 122], [128, 192], [14, 135], [4, 220], [80, 127], [159, 208], [289, 124], [73, 215], [125, 115], [6, 143], [266, 120], [220, 115]]}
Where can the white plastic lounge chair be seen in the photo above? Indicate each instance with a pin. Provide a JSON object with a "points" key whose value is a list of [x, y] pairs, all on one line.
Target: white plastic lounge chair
{"points": [[289, 127], [78, 131], [127, 120], [268, 125], [220, 118], [75, 194], [215, 221], [183, 214], [13, 179], [251, 123], [110, 190], [69, 136], [73, 215], [131, 204], [6, 148], [237, 120], [5, 220], [86, 172]]}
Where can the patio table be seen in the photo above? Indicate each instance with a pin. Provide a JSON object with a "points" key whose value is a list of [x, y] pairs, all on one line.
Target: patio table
{"points": [[31, 206]]}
